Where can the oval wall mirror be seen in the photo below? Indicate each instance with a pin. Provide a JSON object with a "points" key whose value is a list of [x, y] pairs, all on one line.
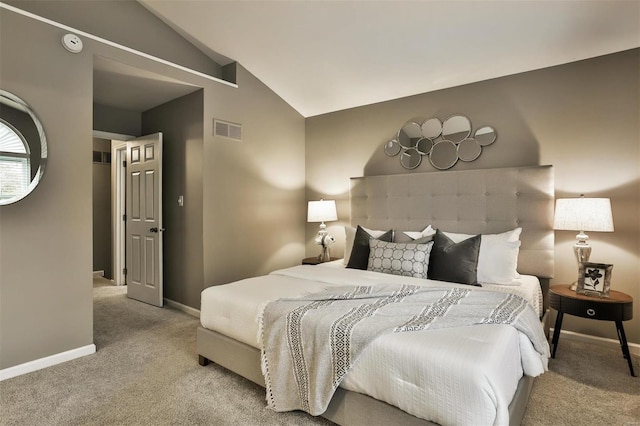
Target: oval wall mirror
{"points": [[469, 149], [443, 155], [392, 148], [432, 128], [410, 158], [485, 135], [23, 149], [409, 134], [456, 128]]}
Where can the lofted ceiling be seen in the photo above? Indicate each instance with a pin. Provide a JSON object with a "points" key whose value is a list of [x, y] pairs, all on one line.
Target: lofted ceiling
{"points": [[325, 56]]}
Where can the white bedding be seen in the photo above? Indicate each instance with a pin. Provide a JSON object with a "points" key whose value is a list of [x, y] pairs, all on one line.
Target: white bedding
{"points": [[526, 286], [458, 376]]}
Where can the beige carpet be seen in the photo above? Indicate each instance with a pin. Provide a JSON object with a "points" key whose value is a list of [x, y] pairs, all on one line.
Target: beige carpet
{"points": [[145, 372]]}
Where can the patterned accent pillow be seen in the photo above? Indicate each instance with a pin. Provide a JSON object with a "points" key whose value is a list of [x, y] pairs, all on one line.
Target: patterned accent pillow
{"points": [[408, 259]]}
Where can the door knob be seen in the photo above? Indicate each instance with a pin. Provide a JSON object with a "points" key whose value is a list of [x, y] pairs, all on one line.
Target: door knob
{"points": [[156, 230]]}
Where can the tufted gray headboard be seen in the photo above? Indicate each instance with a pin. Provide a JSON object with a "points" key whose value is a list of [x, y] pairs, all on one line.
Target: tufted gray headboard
{"points": [[468, 201]]}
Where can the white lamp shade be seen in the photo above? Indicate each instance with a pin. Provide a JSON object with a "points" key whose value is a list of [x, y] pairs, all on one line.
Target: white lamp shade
{"points": [[583, 214], [322, 211]]}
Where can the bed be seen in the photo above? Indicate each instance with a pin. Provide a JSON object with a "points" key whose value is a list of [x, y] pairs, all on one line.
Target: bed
{"points": [[493, 389]]}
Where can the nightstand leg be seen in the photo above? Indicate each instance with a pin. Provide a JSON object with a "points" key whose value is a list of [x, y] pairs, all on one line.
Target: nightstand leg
{"points": [[625, 347], [556, 334]]}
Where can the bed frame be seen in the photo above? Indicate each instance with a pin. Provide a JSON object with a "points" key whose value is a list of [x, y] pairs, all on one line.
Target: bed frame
{"points": [[471, 201]]}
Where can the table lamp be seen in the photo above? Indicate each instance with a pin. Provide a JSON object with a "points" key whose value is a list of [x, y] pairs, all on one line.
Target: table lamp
{"points": [[583, 214], [323, 211]]}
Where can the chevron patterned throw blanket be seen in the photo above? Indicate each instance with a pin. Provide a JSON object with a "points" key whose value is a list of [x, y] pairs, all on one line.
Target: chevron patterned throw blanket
{"points": [[310, 343]]}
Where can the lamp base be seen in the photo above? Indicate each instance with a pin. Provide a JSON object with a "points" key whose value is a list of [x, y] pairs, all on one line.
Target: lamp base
{"points": [[582, 251], [324, 256]]}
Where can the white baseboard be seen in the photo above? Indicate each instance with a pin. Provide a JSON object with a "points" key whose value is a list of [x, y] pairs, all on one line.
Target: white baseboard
{"points": [[634, 348], [45, 362], [184, 308], [99, 273]]}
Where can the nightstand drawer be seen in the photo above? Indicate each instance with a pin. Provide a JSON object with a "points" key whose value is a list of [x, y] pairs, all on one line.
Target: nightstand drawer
{"points": [[593, 310]]}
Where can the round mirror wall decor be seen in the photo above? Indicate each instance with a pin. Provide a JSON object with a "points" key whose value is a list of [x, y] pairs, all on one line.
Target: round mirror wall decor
{"points": [[432, 128], [444, 155], [410, 158], [424, 146], [469, 150], [392, 148], [456, 128], [23, 149], [409, 134], [445, 142], [485, 135]]}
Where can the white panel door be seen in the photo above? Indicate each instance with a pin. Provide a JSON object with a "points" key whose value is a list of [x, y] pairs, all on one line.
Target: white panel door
{"points": [[144, 219]]}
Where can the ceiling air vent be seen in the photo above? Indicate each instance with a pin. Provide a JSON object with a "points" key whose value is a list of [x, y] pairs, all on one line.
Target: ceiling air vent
{"points": [[227, 130]]}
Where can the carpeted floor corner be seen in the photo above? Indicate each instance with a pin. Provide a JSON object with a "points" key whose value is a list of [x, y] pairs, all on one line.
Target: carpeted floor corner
{"points": [[145, 372], [586, 385]]}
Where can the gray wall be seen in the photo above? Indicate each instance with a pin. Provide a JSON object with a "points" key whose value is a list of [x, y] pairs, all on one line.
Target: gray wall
{"points": [[583, 118], [252, 192], [126, 22], [117, 120], [45, 239], [181, 124], [244, 209], [253, 195]]}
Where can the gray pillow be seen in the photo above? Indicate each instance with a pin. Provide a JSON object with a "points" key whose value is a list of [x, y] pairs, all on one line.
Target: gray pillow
{"points": [[360, 252], [407, 259], [454, 262]]}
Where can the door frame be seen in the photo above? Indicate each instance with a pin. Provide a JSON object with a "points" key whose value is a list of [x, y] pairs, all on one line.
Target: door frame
{"points": [[118, 192], [118, 142]]}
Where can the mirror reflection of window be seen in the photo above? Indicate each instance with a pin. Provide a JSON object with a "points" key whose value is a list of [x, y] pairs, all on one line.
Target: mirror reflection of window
{"points": [[15, 164]]}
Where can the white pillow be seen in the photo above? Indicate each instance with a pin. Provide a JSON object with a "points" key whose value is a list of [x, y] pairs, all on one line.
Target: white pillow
{"points": [[427, 232], [498, 258], [350, 235]]}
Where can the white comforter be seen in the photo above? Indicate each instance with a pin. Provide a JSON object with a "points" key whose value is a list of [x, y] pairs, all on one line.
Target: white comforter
{"points": [[461, 376]]}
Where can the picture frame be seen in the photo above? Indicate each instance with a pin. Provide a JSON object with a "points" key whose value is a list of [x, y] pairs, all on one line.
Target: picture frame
{"points": [[594, 279]]}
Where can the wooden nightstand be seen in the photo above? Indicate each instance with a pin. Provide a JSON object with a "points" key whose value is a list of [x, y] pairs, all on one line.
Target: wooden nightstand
{"points": [[617, 307], [314, 260]]}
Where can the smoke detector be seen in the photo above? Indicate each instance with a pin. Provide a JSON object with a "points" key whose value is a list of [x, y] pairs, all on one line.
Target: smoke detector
{"points": [[72, 43]]}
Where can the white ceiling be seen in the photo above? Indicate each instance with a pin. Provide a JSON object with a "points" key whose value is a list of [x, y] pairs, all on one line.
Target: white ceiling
{"points": [[324, 56]]}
